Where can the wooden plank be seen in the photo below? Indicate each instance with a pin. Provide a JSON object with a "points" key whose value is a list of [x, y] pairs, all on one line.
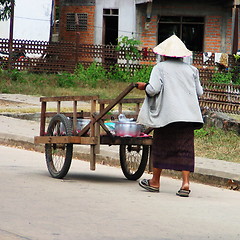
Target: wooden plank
{"points": [[74, 116], [43, 118], [69, 114], [92, 157], [120, 107], [97, 132], [125, 140], [66, 139], [68, 98], [125, 100], [93, 110], [105, 128], [93, 148], [58, 107], [137, 110]]}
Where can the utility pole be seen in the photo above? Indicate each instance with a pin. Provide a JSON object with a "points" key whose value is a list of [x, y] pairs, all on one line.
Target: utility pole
{"points": [[235, 24], [10, 43]]}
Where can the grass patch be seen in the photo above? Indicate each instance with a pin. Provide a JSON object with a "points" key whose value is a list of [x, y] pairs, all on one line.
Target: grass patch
{"points": [[61, 85], [217, 144]]}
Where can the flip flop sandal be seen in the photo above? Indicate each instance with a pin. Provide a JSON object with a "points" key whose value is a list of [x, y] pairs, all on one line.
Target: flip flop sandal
{"points": [[183, 193], [146, 185]]}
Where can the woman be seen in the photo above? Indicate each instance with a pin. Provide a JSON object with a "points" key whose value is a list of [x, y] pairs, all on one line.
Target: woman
{"points": [[171, 107]]}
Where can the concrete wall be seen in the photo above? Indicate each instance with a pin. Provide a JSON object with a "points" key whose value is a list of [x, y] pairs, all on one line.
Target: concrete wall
{"points": [[126, 19], [31, 20], [218, 21]]}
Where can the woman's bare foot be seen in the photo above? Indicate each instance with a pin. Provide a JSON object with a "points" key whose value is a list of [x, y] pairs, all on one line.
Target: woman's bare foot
{"points": [[153, 183], [185, 186]]}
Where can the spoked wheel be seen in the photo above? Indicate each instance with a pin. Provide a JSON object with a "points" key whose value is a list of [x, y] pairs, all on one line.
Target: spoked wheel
{"points": [[59, 156], [133, 159]]}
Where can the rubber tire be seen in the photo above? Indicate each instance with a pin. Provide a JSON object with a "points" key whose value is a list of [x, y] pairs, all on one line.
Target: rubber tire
{"points": [[142, 166], [68, 148]]}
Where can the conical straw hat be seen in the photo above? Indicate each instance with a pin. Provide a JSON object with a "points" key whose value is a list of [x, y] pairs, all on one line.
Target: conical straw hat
{"points": [[172, 47]]}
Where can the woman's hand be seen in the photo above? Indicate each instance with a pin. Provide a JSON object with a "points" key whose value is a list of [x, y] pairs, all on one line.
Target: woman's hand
{"points": [[141, 85]]}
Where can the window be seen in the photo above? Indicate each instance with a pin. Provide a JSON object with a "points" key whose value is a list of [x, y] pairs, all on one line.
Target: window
{"points": [[189, 29], [74, 19], [110, 12]]}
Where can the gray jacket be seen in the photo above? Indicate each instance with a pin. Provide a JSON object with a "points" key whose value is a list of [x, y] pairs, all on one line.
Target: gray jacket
{"points": [[172, 95]]}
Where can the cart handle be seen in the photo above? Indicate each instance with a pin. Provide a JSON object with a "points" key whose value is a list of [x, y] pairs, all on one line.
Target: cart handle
{"points": [[109, 107]]}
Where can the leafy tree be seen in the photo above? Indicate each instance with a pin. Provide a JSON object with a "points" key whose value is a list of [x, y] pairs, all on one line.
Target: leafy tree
{"points": [[5, 9]]}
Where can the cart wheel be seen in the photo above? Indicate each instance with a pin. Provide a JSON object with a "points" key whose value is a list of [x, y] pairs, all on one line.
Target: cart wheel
{"points": [[133, 159], [59, 156]]}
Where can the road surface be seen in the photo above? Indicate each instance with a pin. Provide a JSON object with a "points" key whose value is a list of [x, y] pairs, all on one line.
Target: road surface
{"points": [[104, 205]]}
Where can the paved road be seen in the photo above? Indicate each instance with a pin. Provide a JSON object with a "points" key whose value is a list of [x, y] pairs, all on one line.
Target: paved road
{"points": [[104, 205]]}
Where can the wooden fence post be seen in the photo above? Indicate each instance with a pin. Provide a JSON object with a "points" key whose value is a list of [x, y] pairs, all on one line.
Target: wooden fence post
{"points": [[10, 46]]}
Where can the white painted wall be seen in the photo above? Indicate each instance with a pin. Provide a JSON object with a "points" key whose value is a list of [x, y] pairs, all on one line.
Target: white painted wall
{"points": [[126, 18], [31, 21]]}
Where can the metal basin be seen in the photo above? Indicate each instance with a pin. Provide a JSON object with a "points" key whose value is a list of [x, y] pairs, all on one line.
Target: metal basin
{"points": [[127, 129]]}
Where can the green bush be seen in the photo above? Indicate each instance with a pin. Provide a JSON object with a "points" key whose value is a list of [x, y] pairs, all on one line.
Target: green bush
{"points": [[236, 75], [66, 80], [90, 76], [126, 75], [220, 77], [203, 132], [143, 74], [119, 74], [16, 75], [231, 77]]}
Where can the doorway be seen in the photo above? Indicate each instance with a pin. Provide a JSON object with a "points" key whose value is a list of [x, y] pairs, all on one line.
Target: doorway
{"points": [[110, 26], [110, 35]]}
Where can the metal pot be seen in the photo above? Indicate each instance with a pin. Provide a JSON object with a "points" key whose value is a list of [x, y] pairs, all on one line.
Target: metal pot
{"points": [[81, 123], [127, 129]]}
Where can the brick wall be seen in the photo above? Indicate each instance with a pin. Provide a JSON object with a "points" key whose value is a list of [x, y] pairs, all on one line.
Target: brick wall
{"points": [[149, 32], [82, 36], [213, 34], [86, 36], [229, 36], [212, 40]]}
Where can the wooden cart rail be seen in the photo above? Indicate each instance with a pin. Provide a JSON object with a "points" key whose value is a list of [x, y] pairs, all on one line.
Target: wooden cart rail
{"points": [[104, 140], [68, 98], [66, 140], [126, 140], [58, 100]]}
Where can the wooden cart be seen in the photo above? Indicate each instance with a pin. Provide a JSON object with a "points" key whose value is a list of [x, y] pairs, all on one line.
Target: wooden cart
{"points": [[62, 133]]}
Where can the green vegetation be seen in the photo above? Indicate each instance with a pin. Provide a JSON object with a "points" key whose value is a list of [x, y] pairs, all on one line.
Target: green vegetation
{"points": [[130, 47], [232, 76], [217, 144], [95, 80], [236, 56], [225, 78]]}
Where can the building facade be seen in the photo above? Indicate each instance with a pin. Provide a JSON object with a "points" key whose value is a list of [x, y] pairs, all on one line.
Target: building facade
{"points": [[204, 25]]}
